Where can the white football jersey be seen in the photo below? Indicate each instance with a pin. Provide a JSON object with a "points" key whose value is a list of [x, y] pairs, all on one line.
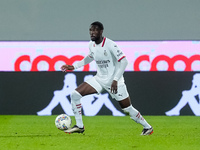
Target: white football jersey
{"points": [[106, 54]]}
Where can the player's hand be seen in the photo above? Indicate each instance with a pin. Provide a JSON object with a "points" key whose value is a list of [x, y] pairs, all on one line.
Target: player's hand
{"points": [[114, 87], [66, 67]]}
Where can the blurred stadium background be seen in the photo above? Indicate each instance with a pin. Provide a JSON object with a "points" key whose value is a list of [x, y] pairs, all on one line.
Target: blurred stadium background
{"points": [[38, 36]]}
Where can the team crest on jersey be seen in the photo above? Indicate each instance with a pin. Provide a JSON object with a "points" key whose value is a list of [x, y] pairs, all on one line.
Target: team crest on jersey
{"points": [[105, 53]]}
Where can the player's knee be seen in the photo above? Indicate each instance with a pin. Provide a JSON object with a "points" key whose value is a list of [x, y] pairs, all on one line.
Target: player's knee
{"points": [[128, 109], [75, 96], [134, 114], [125, 111]]}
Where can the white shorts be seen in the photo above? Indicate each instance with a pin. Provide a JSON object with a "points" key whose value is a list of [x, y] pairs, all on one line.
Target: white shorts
{"points": [[122, 92]]}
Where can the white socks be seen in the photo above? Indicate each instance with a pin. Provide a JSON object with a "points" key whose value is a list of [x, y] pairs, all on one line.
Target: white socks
{"points": [[136, 116], [76, 107]]}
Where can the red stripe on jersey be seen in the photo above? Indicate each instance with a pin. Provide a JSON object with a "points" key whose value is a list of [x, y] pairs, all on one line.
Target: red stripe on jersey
{"points": [[104, 39], [121, 58]]}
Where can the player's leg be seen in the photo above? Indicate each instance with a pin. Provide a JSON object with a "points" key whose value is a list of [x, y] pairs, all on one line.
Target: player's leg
{"points": [[89, 87], [135, 115], [76, 95], [82, 90], [125, 103]]}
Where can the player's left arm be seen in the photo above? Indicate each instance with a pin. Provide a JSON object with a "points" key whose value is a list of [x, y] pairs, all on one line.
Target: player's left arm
{"points": [[122, 64]]}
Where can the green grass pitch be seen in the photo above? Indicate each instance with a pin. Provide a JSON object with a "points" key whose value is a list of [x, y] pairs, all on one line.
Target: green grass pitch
{"points": [[30, 132]]}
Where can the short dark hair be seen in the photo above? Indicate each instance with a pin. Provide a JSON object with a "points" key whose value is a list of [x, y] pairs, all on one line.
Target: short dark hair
{"points": [[99, 24]]}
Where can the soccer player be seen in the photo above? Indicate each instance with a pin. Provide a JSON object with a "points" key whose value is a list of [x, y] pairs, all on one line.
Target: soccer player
{"points": [[111, 63]]}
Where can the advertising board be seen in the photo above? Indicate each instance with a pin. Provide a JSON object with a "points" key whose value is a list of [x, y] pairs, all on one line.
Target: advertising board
{"points": [[142, 55]]}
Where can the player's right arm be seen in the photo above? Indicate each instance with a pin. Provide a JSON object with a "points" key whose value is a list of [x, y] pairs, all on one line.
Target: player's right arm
{"points": [[66, 67], [86, 60], [79, 64]]}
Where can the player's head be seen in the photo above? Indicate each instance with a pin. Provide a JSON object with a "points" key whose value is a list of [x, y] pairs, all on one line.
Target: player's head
{"points": [[98, 24], [96, 30]]}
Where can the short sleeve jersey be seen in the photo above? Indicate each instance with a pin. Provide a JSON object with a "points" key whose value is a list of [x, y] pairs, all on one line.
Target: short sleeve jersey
{"points": [[106, 55]]}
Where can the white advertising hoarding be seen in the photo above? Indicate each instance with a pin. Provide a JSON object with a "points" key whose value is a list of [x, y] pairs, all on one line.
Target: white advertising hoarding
{"points": [[142, 55]]}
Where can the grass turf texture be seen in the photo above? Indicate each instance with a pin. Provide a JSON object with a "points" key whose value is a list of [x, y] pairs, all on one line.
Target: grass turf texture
{"points": [[102, 132]]}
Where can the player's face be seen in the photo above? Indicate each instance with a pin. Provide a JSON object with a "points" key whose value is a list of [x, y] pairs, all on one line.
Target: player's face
{"points": [[95, 33]]}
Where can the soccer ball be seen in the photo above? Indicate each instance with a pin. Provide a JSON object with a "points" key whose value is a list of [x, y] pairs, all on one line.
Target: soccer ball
{"points": [[63, 122]]}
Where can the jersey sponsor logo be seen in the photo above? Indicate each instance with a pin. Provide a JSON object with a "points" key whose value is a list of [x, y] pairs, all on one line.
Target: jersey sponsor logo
{"points": [[103, 63], [50, 61], [170, 62]]}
